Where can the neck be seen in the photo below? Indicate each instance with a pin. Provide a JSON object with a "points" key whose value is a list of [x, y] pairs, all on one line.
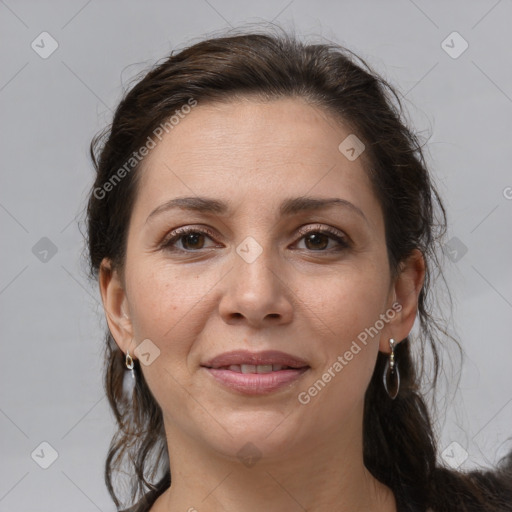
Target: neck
{"points": [[326, 474]]}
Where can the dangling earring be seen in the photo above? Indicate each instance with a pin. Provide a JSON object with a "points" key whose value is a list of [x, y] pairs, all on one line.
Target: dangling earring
{"points": [[391, 375], [129, 376]]}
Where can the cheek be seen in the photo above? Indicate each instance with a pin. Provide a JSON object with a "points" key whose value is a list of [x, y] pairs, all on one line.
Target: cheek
{"points": [[166, 299], [345, 303], [344, 312], [167, 306]]}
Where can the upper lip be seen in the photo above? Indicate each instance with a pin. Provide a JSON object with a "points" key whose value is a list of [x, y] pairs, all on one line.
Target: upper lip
{"points": [[255, 358]]}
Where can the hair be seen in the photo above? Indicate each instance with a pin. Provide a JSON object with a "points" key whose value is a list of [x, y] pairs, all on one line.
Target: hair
{"points": [[399, 445]]}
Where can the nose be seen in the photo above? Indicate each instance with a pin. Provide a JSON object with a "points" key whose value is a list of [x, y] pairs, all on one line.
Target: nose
{"points": [[256, 293]]}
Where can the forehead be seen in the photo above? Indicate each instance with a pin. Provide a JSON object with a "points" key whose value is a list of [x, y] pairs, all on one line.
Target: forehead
{"points": [[256, 150]]}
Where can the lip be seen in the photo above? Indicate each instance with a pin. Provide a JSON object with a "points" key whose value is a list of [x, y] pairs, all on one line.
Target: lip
{"points": [[255, 358], [256, 383]]}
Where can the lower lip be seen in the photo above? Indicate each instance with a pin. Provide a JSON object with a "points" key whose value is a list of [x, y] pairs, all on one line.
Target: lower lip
{"points": [[256, 383]]}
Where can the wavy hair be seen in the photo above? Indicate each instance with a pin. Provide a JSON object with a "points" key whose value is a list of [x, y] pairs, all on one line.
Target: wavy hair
{"points": [[398, 441]]}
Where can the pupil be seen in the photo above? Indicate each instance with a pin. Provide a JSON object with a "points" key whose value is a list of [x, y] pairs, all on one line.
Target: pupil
{"points": [[192, 239], [316, 238]]}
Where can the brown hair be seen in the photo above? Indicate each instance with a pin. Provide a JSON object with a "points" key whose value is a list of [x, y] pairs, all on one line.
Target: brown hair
{"points": [[399, 445]]}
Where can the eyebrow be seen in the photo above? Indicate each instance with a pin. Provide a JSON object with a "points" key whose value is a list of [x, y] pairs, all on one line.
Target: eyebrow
{"points": [[288, 207]]}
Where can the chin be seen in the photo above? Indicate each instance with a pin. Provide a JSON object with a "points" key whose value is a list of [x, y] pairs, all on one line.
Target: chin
{"points": [[265, 432]]}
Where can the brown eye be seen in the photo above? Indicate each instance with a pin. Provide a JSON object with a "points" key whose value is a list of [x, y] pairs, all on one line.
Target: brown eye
{"points": [[318, 240], [190, 239]]}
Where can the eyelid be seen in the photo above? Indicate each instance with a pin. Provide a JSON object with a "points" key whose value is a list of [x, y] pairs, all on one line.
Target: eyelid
{"points": [[321, 228]]}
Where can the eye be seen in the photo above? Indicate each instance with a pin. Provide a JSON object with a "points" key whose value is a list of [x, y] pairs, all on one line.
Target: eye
{"points": [[192, 239], [317, 239]]}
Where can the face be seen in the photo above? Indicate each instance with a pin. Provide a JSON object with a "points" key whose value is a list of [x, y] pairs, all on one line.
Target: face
{"points": [[252, 268]]}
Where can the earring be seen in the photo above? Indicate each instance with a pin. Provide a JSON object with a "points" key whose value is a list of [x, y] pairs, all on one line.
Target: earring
{"points": [[391, 375], [129, 376], [128, 361]]}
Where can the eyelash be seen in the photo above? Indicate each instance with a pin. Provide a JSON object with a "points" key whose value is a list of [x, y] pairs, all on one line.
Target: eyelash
{"points": [[177, 234]]}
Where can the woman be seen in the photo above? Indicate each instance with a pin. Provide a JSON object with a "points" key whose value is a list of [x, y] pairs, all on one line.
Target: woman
{"points": [[263, 229]]}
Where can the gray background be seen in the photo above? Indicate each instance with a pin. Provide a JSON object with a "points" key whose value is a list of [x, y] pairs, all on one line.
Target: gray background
{"points": [[51, 320]]}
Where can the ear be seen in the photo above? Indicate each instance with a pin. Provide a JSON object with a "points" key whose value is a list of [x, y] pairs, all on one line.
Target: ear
{"points": [[404, 294], [115, 305]]}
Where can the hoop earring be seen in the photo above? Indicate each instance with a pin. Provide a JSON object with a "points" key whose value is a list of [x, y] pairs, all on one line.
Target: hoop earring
{"points": [[391, 375]]}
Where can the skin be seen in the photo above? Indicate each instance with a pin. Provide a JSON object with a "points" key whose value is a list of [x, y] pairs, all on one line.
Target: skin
{"points": [[305, 299]]}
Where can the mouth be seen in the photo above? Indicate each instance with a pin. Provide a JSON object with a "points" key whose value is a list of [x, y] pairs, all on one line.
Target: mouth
{"points": [[255, 368], [256, 373], [250, 362]]}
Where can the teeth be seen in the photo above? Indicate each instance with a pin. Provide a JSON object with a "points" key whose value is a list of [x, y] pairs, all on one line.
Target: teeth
{"points": [[248, 368], [264, 368], [253, 368]]}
